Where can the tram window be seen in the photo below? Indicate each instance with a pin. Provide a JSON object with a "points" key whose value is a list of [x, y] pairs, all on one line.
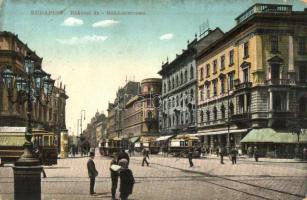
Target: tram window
{"points": [[46, 140], [182, 143], [186, 143]]}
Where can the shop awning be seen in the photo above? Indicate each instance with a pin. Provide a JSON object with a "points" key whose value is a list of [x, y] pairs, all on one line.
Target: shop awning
{"points": [[204, 133], [134, 139], [186, 137], [269, 135], [165, 137]]}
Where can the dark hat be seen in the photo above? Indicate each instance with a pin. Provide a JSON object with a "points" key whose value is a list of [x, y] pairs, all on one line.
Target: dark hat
{"points": [[92, 153]]}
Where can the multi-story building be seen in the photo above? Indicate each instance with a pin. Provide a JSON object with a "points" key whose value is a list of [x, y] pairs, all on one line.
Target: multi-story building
{"points": [[111, 121], [96, 129], [50, 117], [141, 112], [123, 95], [179, 91], [253, 80]]}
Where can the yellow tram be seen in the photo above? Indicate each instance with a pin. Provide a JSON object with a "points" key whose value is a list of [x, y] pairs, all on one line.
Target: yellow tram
{"points": [[12, 140], [181, 144], [110, 146]]}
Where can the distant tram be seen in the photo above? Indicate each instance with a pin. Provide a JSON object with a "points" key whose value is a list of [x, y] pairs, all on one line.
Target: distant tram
{"points": [[181, 144], [110, 146]]}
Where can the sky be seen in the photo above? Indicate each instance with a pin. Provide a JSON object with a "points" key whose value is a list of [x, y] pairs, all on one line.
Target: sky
{"points": [[94, 46]]}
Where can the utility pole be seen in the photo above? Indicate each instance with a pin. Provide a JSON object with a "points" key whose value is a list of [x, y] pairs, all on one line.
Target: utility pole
{"points": [[82, 111]]}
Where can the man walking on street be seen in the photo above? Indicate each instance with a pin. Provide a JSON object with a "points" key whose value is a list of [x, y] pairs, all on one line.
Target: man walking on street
{"points": [[222, 152], [92, 172], [145, 156], [190, 157], [256, 154], [233, 154]]}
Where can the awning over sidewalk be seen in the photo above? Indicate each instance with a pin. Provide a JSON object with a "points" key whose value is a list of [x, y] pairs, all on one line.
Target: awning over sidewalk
{"points": [[186, 137], [144, 139], [204, 133], [134, 139], [269, 135], [165, 137]]}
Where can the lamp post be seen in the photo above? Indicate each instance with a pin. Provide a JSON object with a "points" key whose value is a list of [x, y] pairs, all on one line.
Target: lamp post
{"points": [[297, 131], [82, 115], [30, 86]]}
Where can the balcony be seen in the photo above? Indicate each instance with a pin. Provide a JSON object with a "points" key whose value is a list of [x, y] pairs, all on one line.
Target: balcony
{"points": [[281, 82], [245, 85], [240, 117]]}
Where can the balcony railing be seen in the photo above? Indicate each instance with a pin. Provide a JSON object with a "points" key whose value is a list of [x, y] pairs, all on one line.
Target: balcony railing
{"points": [[240, 117], [244, 85], [280, 82]]}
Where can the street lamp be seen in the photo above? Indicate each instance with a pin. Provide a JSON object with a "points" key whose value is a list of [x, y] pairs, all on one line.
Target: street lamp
{"points": [[297, 131], [82, 115], [27, 169]]}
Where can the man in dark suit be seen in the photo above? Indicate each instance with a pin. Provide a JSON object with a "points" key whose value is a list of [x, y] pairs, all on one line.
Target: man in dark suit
{"points": [[92, 172]]}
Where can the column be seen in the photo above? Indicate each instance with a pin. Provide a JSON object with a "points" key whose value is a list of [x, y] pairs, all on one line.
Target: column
{"points": [[245, 103], [291, 60], [288, 101]]}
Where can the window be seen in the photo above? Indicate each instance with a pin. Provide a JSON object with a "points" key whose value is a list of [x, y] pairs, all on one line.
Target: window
{"points": [[231, 109], [208, 91], [223, 111], [245, 75], [231, 55], [173, 83], [214, 66], [245, 50], [201, 93], [207, 70], [181, 78], [214, 87], [201, 116], [302, 105], [177, 100], [192, 94], [208, 115], [275, 71], [215, 113], [177, 81], [274, 43], [185, 76], [169, 84], [231, 80], [222, 62], [201, 74], [222, 85], [301, 45], [302, 72], [164, 88], [191, 73], [279, 101]]}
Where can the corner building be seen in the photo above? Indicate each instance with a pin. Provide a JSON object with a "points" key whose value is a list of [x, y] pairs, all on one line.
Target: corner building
{"points": [[252, 82]]}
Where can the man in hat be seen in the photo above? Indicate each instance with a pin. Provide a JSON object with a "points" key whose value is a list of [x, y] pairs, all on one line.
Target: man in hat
{"points": [[145, 156], [92, 172], [126, 180], [123, 155], [114, 175]]}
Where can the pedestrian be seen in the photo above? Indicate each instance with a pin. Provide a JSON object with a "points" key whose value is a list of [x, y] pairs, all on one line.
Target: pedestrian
{"points": [[145, 156], [222, 152], [250, 151], [256, 154], [130, 151], [233, 154], [122, 155], [114, 170], [92, 172], [190, 157], [126, 180]]}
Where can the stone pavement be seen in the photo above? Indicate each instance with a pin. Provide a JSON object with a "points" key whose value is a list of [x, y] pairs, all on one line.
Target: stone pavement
{"points": [[172, 178]]}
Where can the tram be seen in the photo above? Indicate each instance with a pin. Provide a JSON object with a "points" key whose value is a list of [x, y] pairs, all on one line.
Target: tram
{"points": [[12, 140], [110, 146], [181, 144]]}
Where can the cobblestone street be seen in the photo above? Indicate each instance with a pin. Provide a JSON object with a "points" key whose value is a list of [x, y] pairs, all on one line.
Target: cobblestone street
{"points": [[172, 178]]}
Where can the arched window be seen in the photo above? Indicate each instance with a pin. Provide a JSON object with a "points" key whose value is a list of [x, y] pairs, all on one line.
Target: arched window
{"points": [[191, 73], [181, 78], [215, 113], [185, 76], [231, 109], [208, 115], [223, 111]]}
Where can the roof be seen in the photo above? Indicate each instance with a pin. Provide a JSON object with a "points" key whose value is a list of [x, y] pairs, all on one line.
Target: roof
{"points": [[269, 135]]}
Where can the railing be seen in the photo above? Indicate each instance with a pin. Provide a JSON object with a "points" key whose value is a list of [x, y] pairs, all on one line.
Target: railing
{"points": [[280, 82], [240, 117], [263, 8], [244, 85]]}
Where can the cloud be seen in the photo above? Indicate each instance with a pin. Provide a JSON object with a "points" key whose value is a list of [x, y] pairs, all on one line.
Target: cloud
{"points": [[71, 21], [304, 1], [167, 36], [83, 40], [105, 23]]}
